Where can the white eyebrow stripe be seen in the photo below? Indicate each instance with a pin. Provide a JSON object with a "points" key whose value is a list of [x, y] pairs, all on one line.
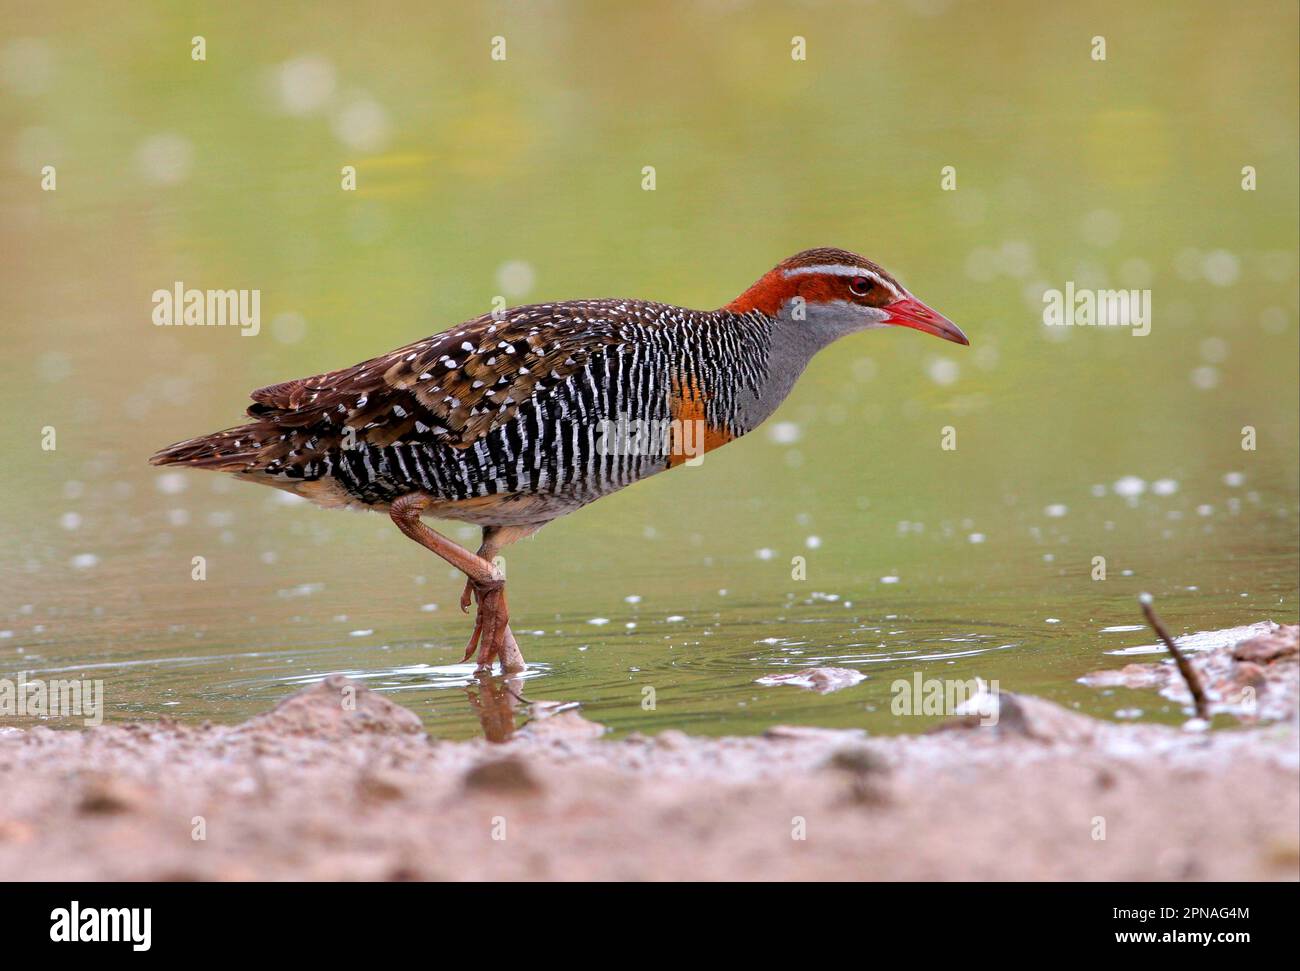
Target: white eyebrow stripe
{"points": [[839, 269]]}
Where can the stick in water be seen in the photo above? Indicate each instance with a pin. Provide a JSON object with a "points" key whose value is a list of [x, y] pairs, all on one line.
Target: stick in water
{"points": [[1184, 666]]}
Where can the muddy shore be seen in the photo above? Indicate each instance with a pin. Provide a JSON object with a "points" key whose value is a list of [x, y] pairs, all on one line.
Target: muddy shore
{"points": [[339, 783]]}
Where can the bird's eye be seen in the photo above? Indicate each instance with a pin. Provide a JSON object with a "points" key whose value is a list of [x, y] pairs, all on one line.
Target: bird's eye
{"points": [[860, 286]]}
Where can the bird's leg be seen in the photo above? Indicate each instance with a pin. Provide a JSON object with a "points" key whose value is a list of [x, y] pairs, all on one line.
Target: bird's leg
{"points": [[491, 631], [494, 538], [487, 550], [511, 658]]}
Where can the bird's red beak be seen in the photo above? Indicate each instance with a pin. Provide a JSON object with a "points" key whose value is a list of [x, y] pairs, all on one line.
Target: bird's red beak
{"points": [[910, 312]]}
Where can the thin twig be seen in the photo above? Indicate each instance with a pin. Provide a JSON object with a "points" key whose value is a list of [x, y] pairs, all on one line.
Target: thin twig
{"points": [[516, 695], [1184, 666]]}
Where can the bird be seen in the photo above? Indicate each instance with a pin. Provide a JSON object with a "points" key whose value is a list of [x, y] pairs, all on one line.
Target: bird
{"points": [[520, 416]]}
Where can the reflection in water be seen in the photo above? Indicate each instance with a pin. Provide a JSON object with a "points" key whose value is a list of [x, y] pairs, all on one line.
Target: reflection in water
{"points": [[494, 700]]}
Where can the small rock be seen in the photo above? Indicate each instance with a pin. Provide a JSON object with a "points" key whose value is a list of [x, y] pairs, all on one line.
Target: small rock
{"points": [[1029, 717], [336, 708], [379, 787], [1283, 852], [508, 775], [1129, 676], [566, 725], [672, 739], [107, 795], [1256, 678], [821, 680], [859, 759], [1248, 673], [866, 771], [1280, 643]]}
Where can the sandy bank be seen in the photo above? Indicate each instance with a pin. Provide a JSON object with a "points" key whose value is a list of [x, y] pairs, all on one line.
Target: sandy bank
{"points": [[338, 782]]}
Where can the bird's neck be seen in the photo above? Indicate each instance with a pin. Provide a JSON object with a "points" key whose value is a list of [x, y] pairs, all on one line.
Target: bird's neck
{"points": [[783, 348], [793, 346]]}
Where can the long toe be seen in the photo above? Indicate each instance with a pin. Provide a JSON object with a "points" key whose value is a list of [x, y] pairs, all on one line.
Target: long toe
{"points": [[474, 638], [492, 610]]}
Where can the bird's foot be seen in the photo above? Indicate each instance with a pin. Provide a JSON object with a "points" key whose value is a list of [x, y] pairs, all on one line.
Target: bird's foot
{"points": [[490, 624]]}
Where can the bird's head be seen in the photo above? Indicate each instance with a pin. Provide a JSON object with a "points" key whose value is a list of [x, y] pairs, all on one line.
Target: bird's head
{"points": [[835, 292]]}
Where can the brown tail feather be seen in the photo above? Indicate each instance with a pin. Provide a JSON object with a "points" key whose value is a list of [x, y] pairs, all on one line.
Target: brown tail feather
{"points": [[239, 449]]}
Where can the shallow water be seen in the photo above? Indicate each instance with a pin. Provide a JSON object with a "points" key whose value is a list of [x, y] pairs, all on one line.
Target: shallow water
{"points": [[523, 178]]}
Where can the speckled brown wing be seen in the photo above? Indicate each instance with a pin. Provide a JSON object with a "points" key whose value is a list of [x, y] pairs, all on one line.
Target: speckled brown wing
{"points": [[451, 388]]}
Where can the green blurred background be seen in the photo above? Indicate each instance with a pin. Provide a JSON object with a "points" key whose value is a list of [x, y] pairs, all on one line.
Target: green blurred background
{"points": [[523, 177]]}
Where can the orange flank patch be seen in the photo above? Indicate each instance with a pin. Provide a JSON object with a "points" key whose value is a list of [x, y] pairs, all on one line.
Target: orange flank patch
{"points": [[690, 434]]}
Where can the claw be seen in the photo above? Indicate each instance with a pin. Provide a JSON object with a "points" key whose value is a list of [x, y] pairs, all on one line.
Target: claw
{"points": [[473, 641], [489, 626]]}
